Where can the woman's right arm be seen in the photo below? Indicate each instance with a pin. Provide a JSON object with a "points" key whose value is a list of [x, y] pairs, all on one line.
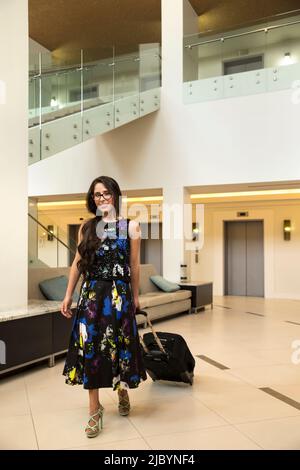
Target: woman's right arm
{"points": [[73, 279]]}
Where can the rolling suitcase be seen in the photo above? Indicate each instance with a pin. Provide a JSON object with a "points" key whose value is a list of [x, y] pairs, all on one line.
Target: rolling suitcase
{"points": [[166, 355]]}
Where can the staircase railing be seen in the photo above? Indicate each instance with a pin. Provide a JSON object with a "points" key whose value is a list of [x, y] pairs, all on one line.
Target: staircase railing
{"points": [[46, 246], [88, 92]]}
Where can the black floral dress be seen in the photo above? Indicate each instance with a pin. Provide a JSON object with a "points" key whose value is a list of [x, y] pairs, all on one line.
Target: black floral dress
{"points": [[104, 349]]}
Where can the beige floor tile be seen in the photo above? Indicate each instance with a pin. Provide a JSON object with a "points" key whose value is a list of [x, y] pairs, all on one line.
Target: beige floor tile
{"points": [[285, 374], [281, 434], [221, 438], [65, 429], [132, 444], [236, 358], [17, 433], [14, 382], [209, 381], [14, 403], [173, 415], [44, 376], [240, 403], [275, 356]]}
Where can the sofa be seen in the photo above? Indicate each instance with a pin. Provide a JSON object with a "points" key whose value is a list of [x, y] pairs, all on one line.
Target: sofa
{"points": [[156, 303], [159, 304]]}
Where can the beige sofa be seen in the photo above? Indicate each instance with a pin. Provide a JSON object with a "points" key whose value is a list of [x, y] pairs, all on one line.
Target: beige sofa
{"points": [[157, 303], [36, 275]]}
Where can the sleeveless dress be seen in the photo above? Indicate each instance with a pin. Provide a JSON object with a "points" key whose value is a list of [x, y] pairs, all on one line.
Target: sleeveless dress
{"points": [[104, 348]]}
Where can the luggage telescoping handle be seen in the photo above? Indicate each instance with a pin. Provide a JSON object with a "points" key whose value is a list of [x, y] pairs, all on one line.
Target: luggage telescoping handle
{"points": [[158, 341]]}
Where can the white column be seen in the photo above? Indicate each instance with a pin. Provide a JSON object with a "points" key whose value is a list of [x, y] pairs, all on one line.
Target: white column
{"points": [[177, 230], [13, 152], [172, 53], [175, 195]]}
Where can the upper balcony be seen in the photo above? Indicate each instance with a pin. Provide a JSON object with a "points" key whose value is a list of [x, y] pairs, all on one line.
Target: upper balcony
{"points": [[252, 59], [87, 93]]}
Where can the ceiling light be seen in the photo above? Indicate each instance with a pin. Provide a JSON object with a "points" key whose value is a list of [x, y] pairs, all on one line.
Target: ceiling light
{"points": [[270, 192], [287, 59]]}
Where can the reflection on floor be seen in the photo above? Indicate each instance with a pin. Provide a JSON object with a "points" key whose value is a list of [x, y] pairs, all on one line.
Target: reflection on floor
{"points": [[251, 402]]}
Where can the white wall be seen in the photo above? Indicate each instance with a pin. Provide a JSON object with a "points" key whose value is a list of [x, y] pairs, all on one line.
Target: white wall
{"points": [[240, 140], [281, 258], [13, 150]]}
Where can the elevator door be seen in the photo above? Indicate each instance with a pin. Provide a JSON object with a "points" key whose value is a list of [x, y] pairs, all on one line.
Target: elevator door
{"points": [[244, 258]]}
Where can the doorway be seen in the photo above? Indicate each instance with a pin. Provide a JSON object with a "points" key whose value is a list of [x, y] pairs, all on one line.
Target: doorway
{"points": [[152, 245], [244, 64], [244, 258]]}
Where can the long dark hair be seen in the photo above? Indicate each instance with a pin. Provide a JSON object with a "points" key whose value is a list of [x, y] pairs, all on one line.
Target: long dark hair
{"points": [[91, 240]]}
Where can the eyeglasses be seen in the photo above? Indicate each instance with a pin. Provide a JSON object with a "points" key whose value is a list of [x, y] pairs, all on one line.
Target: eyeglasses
{"points": [[105, 195]]}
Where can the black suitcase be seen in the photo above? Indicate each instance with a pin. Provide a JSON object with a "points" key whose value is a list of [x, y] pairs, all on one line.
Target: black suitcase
{"points": [[166, 355]]}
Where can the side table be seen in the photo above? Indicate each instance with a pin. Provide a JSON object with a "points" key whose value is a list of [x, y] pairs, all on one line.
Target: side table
{"points": [[202, 293]]}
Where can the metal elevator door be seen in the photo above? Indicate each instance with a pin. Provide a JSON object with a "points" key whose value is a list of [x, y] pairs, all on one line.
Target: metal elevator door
{"points": [[244, 258]]}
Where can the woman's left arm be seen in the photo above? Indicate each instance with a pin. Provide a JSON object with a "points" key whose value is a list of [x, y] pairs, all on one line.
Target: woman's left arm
{"points": [[135, 247]]}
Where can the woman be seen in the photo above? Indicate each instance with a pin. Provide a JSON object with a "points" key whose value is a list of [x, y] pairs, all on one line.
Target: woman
{"points": [[104, 348]]}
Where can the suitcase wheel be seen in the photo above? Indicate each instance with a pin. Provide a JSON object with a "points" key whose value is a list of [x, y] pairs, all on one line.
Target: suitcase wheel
{"points": [[187, 377], [191, 375], [152, 375]]}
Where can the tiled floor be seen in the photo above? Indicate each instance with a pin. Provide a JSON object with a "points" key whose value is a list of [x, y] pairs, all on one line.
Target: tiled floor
{"points": [[224, 409]]}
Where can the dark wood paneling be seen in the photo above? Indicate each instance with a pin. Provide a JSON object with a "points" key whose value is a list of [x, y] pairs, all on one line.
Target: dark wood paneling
{"points": [[26, 339]]}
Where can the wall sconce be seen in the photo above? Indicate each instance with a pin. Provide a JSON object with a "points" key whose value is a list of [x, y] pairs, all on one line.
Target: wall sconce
{"points": [[53, 102], [195, 231], [287, 230], [50, 235]]}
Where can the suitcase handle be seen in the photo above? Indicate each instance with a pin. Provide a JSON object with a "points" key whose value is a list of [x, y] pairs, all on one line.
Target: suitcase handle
{"points": [[141, 312], [158, 341]]}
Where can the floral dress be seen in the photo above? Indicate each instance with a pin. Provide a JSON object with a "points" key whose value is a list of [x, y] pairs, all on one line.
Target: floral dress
{"points": [[104, 349]]}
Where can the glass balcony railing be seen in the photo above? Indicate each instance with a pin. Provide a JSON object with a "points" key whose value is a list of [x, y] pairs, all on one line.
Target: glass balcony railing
{"points": [[49, 244], [89, 92], [248, 60]]}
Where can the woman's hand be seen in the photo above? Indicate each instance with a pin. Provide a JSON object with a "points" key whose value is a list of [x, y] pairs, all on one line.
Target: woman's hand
{"points": [[136, 303], [65, 308]]}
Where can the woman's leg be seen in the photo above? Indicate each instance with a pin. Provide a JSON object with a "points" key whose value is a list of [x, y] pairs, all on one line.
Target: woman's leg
{"points": [[124, 403], [94, 400], [96, 413]]}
